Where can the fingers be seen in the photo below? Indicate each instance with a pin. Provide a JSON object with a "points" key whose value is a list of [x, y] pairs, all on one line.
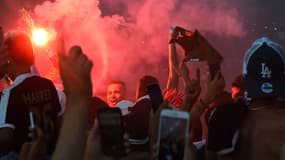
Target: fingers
{"points": [[76, 55], [173, 33], [82, 60], [215, 86], [39, 137], [88, 64], [74, 52]]}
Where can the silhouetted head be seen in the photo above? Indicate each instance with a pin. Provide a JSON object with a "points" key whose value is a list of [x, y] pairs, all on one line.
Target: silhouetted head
{"points": [[263, 69]]}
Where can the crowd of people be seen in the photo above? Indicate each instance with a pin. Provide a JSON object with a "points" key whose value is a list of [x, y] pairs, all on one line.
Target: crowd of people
{"points": [[37, 123]]}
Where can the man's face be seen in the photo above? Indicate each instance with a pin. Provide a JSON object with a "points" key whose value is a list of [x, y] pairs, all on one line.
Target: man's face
{"points": [[115, 93]]}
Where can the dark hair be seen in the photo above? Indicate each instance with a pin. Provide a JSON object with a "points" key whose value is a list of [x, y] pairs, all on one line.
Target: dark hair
{"points": [[20, 48], [143, 83], [116, 82]]}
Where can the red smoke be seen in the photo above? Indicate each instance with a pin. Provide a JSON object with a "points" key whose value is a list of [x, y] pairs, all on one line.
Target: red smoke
{"points": [[127, 49]]}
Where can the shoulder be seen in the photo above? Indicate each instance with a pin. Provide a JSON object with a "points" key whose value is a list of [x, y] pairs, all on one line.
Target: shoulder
{"points": [[263, 131], [38, 79], [223, 129], [229, 111]]}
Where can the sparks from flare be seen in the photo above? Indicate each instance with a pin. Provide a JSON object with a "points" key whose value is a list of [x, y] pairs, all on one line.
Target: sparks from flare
{"points": [[39, 35]]}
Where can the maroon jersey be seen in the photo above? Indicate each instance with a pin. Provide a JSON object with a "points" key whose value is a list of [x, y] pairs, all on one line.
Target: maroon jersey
{"points": [[30, 93]]}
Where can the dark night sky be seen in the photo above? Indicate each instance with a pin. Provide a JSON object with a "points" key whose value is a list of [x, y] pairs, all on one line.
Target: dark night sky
{"points": [[262, 11], [262, 16]]}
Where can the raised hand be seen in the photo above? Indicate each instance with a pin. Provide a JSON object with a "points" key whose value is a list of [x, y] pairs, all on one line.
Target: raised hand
{"points": [[215, 87], [192, 91], [75, 69], [173, 33]]}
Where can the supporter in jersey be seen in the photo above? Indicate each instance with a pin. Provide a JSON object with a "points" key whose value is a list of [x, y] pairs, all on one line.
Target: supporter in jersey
{"points": [[29, 93]]}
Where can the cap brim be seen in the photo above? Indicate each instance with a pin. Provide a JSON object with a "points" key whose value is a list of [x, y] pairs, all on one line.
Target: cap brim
{"points": [[256, 89]]}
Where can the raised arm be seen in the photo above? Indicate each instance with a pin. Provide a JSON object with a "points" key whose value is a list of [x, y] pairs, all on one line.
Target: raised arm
{"points": [[75, 71], [192, 88], [214, 88], [173, 78]]}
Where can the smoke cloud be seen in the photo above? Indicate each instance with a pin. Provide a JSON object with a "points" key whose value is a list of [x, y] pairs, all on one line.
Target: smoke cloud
{"points": [[128, 39]]}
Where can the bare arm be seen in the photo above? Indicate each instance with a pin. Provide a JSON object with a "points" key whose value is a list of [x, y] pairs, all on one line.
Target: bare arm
{"points": [[192, 88], [75, 71], [215, 87], [173, 78]]}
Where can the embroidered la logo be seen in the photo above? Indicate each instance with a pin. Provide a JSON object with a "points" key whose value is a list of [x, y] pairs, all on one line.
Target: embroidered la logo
{"points": [[265, 71]]}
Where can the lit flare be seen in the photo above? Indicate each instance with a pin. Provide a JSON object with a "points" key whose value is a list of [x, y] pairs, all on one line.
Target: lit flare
{"points": [[40, 36]]}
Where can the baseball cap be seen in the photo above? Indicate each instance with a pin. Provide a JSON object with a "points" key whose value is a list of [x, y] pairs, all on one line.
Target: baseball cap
{"points": [[19, 47], [263, 69]]}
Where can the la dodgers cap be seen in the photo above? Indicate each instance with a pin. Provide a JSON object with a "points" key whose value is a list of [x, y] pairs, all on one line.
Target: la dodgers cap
{"points": [[263, 69]]}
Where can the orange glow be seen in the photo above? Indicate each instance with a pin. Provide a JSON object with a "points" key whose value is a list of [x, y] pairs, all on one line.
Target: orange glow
{"points": [[40, 36]]}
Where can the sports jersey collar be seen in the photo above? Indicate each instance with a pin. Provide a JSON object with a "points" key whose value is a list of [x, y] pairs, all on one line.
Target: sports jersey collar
{"points": [[22, 77], [143, 97]]}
